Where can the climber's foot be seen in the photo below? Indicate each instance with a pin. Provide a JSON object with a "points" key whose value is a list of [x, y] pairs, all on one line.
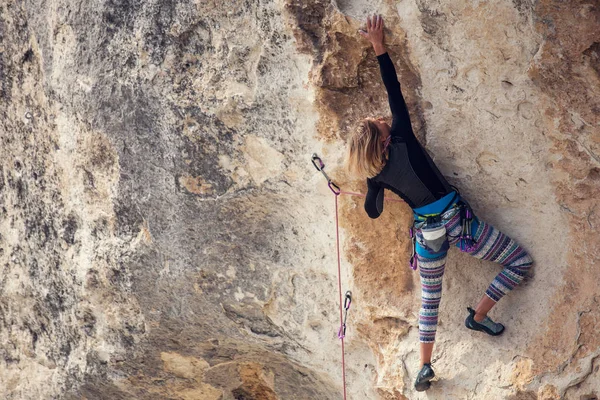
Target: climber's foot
{"points": [[425, 375], [487, 325]]}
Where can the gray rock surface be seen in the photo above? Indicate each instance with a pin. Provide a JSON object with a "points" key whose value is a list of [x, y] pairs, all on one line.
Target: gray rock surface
{"points": [[164, 236]]}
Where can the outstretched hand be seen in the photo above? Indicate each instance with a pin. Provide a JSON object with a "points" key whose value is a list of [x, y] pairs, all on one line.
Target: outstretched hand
{"points": [[374, 33]]}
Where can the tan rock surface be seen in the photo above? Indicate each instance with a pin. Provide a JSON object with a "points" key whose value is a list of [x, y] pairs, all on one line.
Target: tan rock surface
{"points": [[164, 236]]}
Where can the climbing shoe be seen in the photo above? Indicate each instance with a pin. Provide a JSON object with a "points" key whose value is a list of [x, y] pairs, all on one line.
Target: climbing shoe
{"points": [[487, 325], [425, 375]]}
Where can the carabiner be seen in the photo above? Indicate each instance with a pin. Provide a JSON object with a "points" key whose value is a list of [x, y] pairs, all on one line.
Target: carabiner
{"points": [[342, 332], [320, 167], [334, 188], [314, 158], [347, 300]]}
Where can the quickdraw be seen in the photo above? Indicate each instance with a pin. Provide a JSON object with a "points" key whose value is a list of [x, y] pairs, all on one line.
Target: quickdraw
{"points": [[320, 166], [467, 241], [347, 302], [413, 255]]}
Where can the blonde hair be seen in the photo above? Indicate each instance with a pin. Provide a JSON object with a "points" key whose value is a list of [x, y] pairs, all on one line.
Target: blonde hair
{"points": [[366, 150]]}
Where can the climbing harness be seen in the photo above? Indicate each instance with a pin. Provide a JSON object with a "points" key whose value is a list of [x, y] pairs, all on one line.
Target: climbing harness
{"points": [[433, 228], [345, 305], [433, 218]]}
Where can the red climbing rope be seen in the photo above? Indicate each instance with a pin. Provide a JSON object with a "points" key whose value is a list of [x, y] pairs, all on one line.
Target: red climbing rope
{"points": [[342, 331], [345, 305]]}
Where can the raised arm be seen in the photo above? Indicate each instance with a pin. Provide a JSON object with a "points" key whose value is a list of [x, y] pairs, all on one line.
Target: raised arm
{"points": [[400, 114], [390, 80]]}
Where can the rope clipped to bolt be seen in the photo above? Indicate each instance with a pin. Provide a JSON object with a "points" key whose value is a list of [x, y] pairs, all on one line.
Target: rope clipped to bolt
{"points": [[345, 305], [320, 166]]}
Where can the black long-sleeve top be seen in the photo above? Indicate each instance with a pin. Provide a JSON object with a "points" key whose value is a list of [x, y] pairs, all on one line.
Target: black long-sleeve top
{"points": [[409, 171]]}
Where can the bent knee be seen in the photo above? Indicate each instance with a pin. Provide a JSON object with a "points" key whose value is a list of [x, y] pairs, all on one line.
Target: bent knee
{"points": [[526, 261], [523, 263]]}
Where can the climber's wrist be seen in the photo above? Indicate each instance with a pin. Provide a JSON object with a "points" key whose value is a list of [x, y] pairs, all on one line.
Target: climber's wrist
{"points": [[379, 48]]}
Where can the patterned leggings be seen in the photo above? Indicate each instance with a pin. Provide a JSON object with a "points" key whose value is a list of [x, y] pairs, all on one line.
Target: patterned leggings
{"points": [[492, 245]]}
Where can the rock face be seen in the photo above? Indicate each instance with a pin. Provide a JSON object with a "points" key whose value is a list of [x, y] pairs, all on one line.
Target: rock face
{"points": [[164, 235]]}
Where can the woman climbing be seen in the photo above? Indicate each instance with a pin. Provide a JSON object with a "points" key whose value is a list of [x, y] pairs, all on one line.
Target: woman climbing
{"points": [[392, 158]]}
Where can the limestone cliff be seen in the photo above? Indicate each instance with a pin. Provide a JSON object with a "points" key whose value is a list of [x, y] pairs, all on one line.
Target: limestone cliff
{"points": [[163, 234]]}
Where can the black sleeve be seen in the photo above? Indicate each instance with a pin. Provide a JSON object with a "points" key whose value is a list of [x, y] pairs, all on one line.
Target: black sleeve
{"points": [[401, 124], [374, 199]]}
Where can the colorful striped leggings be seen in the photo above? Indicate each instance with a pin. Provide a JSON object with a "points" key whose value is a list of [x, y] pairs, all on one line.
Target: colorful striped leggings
{"points": [[492, 245]]}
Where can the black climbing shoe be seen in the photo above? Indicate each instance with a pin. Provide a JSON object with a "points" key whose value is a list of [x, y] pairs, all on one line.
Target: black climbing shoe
{"points": [[487, 325], [425, 375]]}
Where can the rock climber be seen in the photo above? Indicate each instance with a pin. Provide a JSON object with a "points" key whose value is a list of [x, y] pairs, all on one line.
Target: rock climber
{"points": [[392, 158]]}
